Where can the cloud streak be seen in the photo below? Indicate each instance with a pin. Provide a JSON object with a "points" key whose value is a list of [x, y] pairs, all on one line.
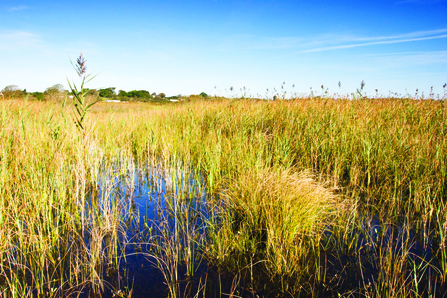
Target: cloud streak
{"points": [[15, 40], [18, 8], [323, 42], [414, 34], [379, 42], [410, 58]]}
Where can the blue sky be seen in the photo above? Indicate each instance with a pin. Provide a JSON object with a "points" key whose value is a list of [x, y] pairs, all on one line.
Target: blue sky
{"points": [[186, 47]]}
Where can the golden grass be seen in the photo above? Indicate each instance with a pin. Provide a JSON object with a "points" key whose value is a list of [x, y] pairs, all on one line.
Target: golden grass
{"points": [[275, 219], [277, 165]]}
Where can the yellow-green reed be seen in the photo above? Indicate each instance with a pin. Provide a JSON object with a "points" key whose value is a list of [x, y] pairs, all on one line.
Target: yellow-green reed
{"points": [[45, 179], [384, 157], [387, 156], [274, 219]]}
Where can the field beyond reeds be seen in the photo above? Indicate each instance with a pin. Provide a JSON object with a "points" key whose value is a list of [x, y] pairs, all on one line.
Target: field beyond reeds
{"points": [[305, 197]]}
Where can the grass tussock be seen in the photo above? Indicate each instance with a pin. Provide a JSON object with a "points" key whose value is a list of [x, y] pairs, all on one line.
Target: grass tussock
{"points": [[275, 220]]}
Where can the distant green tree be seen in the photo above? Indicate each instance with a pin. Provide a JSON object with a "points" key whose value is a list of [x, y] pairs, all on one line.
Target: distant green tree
{"points": [[107, 92], [144, 94], [203, 94], [139, 94], [38, 96], [122, 95]]}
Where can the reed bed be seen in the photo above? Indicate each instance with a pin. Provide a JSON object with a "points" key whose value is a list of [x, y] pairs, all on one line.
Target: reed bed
{"points": [[312, 196]]}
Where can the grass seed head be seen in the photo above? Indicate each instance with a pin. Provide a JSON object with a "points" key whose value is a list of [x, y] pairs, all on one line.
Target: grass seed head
{"points": [[81, 68]]}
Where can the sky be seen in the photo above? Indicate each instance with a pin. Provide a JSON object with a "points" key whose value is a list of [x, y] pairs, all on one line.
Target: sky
{"points": [[228, 48]]}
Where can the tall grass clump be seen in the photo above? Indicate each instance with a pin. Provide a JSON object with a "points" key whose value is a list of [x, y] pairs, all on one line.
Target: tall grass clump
{"points": [[272, 227]]}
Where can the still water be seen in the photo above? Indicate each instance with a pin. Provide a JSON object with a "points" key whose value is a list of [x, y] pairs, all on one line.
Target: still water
{"points": [[165, 216]]}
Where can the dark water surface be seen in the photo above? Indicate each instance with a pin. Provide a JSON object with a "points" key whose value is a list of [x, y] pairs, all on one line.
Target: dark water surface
{"points": [[158, 204], [164, 207]]}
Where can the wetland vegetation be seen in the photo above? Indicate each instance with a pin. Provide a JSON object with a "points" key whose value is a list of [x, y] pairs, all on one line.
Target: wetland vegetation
{"points": [[217, 197]]}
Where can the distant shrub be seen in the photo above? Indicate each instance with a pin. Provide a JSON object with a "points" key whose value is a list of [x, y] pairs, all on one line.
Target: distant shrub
{"points": [[11, 91], [139, 94], [54, 92], [38, 96], [107, 92]]}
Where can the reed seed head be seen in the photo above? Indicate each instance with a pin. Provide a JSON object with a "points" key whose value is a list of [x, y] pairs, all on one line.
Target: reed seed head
{"points": [[362, 85], [81, 69]]}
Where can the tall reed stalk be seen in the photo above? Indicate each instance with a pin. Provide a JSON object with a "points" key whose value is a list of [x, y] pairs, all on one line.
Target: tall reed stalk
{"points": [[79, 95]]}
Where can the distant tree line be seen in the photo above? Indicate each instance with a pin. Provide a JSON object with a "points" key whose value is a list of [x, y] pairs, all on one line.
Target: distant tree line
{"points": [[57, 92], [136, 95]]}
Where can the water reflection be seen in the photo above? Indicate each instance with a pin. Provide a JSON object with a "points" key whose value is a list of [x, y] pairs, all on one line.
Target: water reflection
{"points": [[165, 215]]}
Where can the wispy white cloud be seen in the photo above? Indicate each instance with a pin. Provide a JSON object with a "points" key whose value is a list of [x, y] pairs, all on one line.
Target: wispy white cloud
{"points": [[407, 58], [18, 8], [378, 42], [337, 42], [15, 39], [323, 42], [414, 34]]}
